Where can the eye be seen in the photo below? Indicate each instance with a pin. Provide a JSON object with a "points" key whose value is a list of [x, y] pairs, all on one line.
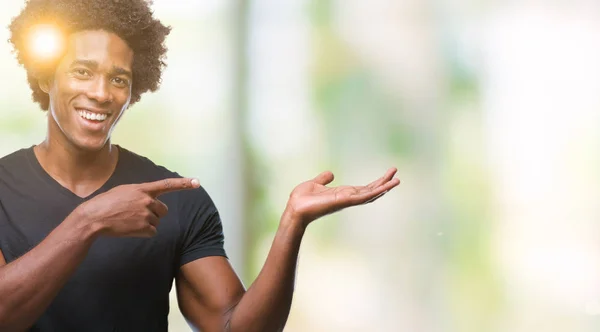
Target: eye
{"points": [[120, 81], [82, 72]]}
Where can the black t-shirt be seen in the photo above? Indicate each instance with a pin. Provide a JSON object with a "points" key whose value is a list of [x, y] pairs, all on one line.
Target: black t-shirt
{"points": [[124, 283]]}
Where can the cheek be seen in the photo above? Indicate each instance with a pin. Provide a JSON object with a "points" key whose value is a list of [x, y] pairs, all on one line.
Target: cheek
{"points": [[122, 98], [73, 88], [64, 90]]}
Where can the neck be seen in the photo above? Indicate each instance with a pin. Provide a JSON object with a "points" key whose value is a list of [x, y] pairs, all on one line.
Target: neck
{"points": [[81, 171]]}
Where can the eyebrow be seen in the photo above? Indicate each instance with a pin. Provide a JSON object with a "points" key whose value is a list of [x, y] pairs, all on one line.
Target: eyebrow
{"points": [[116, 70], [121, 71]]}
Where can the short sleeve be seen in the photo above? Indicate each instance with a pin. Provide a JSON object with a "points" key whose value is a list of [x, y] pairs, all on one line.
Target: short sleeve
{"points": [[201, 227]]}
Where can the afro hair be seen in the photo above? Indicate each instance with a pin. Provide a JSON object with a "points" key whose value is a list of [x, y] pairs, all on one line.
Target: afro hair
{"points": [[132, 20]]}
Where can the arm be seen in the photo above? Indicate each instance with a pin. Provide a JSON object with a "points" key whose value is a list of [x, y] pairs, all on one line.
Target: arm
{"points": [[212, 298], [210, 294], [29, 284]]}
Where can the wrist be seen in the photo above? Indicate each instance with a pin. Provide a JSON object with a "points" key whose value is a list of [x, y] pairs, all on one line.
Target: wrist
{"points": [[292, 221], [83, 224]]}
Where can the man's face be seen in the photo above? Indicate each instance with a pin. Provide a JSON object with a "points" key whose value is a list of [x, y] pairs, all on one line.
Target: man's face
{"points": [[90, 90]]}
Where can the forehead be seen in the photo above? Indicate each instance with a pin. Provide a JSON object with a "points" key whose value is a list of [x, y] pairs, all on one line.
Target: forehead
{"points": [[106, 48]]}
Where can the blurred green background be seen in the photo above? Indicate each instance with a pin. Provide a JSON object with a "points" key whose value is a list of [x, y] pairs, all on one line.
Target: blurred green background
{"points": [[488, 108]]}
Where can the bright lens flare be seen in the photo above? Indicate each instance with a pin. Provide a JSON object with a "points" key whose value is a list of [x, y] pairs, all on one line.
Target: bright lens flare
{"points": [[46, 42]]}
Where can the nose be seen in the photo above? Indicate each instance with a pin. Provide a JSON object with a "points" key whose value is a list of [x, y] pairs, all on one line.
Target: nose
{"points": [[100, 91]]}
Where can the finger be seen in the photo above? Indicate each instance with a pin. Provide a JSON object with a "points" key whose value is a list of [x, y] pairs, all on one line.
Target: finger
{"points": [[159, 208], [147, 232], [154, 221], [369, 189], [370, 195], [375, 198], [161, 187], [385, 178], [151, 231], [324, 178], [389, 185]]}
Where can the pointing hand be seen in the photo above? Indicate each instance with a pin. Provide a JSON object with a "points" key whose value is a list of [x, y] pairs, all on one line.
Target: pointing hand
{"points": [[132, 210]]}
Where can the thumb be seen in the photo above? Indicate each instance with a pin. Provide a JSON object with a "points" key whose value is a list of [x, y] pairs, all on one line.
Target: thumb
{"points": [[324, 178]]}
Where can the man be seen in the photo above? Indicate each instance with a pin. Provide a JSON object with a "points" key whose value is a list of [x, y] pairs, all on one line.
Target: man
{"points": [[85, 243]]}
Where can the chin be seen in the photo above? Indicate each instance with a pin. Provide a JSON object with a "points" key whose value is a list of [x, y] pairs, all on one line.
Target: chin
{"points": [[91, 145]]}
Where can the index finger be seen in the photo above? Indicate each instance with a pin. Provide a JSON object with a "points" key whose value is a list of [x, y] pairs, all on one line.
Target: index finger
{"points": [[164, 186]]}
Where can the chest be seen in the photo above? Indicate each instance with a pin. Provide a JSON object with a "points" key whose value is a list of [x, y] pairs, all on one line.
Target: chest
{"points": [[27, 217]]}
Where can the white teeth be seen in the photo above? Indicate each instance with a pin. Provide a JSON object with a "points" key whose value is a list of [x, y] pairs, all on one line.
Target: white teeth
{"points": [[92, 116]]}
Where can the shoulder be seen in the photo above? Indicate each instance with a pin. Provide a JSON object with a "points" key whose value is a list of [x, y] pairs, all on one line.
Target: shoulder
{"points": [[15, 164], [140, 169], [15, 159]]}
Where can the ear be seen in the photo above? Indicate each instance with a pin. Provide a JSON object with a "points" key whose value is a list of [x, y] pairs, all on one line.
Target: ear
{"points": [[44, 84]]}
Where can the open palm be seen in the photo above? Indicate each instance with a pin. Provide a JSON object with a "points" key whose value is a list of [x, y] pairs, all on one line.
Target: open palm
{"points": [[312, 199]]}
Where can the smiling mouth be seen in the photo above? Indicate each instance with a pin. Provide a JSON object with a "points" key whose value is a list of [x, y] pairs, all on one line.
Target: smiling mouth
{"points": [[91, 116]]}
